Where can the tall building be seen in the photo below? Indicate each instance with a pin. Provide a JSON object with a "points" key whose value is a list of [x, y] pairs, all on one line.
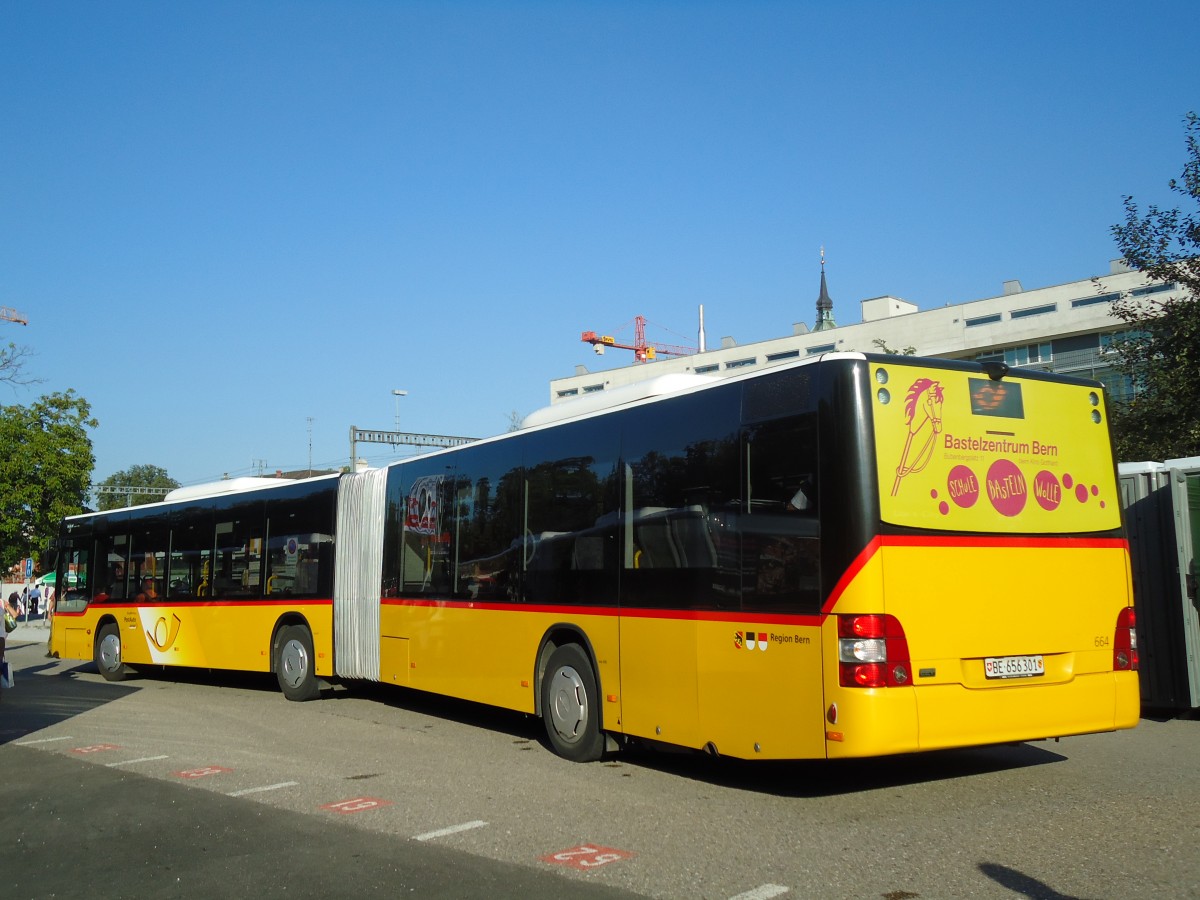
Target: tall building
{"points": [[1067, 328]]}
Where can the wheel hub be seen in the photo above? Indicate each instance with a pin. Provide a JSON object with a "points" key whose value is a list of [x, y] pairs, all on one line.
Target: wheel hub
{"points": [[569, 704], [294, 663], [110, 651]]}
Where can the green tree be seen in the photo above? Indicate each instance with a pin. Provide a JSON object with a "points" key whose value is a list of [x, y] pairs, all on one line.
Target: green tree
{"points": [[884, 348], [1161, 356], [115, 486], [45, 470]]}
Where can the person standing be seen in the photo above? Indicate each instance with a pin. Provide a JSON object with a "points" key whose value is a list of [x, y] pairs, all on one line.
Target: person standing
{"points": [[48, 606], [10, 609]]}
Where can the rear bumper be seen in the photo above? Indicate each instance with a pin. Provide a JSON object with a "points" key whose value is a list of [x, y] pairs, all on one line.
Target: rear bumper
{"points": [[904, 720]]}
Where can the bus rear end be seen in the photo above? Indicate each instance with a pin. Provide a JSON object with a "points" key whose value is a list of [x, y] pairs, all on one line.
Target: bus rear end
{"points": [[994, 602]]}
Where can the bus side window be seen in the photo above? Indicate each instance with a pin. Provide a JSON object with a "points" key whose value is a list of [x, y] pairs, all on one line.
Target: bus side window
{"points": [[680, 489], [191, 557], [149, 542], [238, 567], [781, 528], [108, 581], [426, 536], [572, 496]]}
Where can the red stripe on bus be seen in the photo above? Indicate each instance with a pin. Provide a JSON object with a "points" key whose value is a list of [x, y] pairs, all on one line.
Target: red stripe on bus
{"points": [[852, 570], [289, 602], [697, 615], [1000, 540], [961, 541], [192, 604]]}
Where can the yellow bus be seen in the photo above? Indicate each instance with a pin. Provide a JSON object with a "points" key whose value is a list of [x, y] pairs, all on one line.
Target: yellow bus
{"points": [[847, 556]]}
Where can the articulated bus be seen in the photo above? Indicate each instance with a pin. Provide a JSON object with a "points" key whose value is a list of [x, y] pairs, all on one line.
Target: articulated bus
{"points": [[848, 556]]}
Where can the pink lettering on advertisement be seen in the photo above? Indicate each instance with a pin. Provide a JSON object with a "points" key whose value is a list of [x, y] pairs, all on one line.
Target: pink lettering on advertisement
{"points": [[963, 486], [1047, 491], [1006, 487]]}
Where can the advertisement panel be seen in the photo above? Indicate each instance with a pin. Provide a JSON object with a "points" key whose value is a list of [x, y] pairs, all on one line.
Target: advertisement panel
{"points": [[960, 451]]}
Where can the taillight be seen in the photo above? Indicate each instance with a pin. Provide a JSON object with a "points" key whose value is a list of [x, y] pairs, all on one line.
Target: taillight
{"points": [[872, 652], [1125, 652]]}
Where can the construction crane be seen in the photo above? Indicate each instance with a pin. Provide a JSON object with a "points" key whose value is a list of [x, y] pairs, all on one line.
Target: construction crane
{"points": [[642, 351], [11, 315]]}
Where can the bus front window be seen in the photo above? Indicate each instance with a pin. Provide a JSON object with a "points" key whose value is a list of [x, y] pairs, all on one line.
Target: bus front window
{"points": [[73, 583]]}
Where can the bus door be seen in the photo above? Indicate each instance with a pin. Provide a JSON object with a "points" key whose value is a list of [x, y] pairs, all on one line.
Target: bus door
{"points": [[71, 636]]}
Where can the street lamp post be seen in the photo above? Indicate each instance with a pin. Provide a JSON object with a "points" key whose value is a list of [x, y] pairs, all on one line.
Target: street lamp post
{"points": [[397, 393]]}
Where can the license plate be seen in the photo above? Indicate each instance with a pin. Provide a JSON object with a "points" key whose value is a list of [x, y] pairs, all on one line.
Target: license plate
{"points": [[1014, 666]]}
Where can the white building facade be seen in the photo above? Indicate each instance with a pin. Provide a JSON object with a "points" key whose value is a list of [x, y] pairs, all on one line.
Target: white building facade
{"points": [[1066, 328]]}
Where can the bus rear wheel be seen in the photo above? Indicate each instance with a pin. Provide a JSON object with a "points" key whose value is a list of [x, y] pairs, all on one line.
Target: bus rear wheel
{"points": [[294, 664], [570, 705], [108, 653]]}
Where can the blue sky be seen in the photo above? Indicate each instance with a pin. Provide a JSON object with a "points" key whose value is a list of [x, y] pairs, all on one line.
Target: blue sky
{"points": [[225, 219]]}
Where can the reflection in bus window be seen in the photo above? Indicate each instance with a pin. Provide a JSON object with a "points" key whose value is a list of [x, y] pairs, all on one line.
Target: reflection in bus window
{"points": [[573, 493], [239, 558], [73, 596], [149, 543], [781, 531], [486, 523], [681, 489], [191, 560], [110, 581], [297, 547]]}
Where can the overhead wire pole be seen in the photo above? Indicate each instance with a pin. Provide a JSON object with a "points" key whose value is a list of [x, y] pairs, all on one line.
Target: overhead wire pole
{"points": [[398, 393], [396, 438], [128, 491]]}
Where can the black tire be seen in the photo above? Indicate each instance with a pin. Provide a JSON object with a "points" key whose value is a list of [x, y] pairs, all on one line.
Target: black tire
{"points": [[107, 653], [571, 705], [295, 663]]}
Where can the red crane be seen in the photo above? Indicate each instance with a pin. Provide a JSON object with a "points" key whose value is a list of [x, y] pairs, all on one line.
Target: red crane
{"points": [[8, 314], [642, 351]]}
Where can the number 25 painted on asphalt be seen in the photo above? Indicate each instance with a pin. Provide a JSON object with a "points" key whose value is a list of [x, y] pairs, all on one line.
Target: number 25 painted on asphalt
{"points": [[598, 859]]}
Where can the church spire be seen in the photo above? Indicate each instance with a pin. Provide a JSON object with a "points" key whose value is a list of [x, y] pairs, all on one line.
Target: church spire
{"points": [[824, 303]]}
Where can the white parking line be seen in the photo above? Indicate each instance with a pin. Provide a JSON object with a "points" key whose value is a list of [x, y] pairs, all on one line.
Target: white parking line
{"points": [[453, 829], [259, 790], [42, 741], [762, 892], [129, 762]]}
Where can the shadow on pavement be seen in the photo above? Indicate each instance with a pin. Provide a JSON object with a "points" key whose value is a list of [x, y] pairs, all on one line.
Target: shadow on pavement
{"points": [[37, 700], [84, 830], [34, 705]]}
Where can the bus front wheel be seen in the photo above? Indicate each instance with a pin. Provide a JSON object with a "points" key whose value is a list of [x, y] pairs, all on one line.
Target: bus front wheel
{"points": [[570, 705], [108, 653], [294, 664]]}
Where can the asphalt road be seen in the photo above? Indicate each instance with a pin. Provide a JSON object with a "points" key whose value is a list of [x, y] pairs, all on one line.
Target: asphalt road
{"points": [[205, 783]]}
